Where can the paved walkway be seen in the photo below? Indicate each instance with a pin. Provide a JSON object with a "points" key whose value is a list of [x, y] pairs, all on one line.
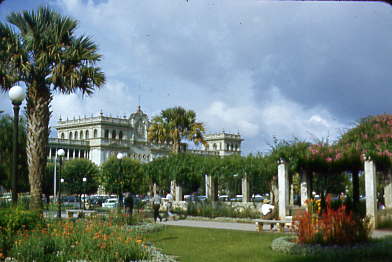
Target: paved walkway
{"points": [[242, 226]]}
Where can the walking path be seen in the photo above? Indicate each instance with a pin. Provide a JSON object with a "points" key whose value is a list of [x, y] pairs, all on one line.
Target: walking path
{"points": [[242, 226]]}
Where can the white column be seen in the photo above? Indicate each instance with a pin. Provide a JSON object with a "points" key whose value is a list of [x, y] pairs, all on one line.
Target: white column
{"points": [[178, 193], [50, 153], [283, 187], [68, 154], [154, 189], [304, 188], [245, 189], [388, 190], [210, 188], [371, 191], [73, 154], [173, 188]]}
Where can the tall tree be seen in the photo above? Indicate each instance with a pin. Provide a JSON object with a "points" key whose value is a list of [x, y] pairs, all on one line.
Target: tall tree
{"points": [[42, 51], [73, 173], [175, 125]]}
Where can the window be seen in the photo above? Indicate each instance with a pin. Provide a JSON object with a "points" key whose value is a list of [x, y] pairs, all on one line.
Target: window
{"points": [[214, 146], [95, 133], [81, 135], [62, 136], [86, 134], [70, 135], [106, 133], [114, 134], [120, 135], [76, 135]]}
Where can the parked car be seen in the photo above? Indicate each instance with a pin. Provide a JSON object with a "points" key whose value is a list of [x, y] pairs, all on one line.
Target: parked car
{"points": [[110, 203]]}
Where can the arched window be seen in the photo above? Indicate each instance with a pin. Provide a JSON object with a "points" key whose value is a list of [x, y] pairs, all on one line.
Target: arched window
{"points": [[70, 135], [236, 147], [120, 135], [214, 146], [95, 133], [227, 147], [114, 134], [86, 134], [62, 136], [106, 133], [76, 135], [81, 135]]}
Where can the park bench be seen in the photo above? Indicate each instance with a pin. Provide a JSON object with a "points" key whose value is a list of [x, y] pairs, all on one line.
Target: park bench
{"points": [[80, 212], [281, 224]]}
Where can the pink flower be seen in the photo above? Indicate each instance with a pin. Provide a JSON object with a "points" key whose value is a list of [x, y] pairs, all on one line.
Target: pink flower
{"points": [[328, 159]]}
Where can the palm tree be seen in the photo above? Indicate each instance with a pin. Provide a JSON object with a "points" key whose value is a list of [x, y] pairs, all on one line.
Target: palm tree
{"points": [[173, 126], [41, 50]]}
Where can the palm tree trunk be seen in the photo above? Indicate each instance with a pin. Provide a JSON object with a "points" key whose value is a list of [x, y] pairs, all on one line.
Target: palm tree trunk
{"points": [[38, 114]]}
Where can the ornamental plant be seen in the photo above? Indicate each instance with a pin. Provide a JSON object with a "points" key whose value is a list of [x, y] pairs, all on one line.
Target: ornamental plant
{"points": [[87, 240], [331, 226]]}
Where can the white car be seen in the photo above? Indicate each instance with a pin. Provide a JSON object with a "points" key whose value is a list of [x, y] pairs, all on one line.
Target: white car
{"points": [[110, 203]]}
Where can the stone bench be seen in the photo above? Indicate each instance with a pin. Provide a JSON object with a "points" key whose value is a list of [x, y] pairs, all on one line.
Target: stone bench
{"points": [[281, 224], [80, 212]]}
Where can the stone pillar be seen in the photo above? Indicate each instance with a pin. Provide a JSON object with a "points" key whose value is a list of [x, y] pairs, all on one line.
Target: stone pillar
{"points": [[210, 188], [50, 153], [388, 190], [291, 198], [304, 188], [73, 154], [245, 189], [173, 188], [283, 187], [371, 191], [68, 154], [178, 193], [154, 189]]}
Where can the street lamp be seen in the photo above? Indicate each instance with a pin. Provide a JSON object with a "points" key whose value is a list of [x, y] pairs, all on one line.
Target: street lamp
{"points": [[17, 94], [120, 156], [84, 187], [60, 153]]}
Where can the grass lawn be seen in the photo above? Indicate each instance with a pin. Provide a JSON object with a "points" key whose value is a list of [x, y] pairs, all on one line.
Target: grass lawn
{"points": [[201, 244]]}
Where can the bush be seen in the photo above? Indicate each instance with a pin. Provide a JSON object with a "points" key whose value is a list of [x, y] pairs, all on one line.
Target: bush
{"points": [[13, 220], [379, 250], [218, 209], [331, 227]]}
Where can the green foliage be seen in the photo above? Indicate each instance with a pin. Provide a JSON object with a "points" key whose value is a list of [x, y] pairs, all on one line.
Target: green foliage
{"points": [[375, 250], [218, 209], [13, 220], [73, 172], [90, 240], [6, 134], [124, 175]]}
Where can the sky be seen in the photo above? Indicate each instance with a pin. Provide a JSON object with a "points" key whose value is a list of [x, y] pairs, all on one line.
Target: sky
{"points": [[265, 69]]}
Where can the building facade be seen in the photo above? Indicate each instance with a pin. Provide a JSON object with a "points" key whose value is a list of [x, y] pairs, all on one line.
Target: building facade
{"points": [[98, 137]]}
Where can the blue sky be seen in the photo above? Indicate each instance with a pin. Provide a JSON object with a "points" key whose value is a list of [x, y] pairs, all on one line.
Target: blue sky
{"points": [[266, 69]]}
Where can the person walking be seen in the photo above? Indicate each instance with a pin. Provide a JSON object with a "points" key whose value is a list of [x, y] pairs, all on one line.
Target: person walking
{"points": [[156, 205]]}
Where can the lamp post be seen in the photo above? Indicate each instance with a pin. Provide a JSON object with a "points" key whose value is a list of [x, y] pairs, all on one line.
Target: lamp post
{"points": [[60, 153], [120, 197], [84, 189], [17, 95]]}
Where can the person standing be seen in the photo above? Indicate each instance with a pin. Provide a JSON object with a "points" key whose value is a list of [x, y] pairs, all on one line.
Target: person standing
{"points": [[128, 204], [156, 205], [169, 205]]}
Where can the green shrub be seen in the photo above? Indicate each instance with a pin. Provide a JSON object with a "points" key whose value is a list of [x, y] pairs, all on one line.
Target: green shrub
{"points": [[218, 209], [13, 220]]}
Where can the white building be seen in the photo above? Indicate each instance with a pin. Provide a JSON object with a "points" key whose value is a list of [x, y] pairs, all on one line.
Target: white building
{"points": [[99, 137]]}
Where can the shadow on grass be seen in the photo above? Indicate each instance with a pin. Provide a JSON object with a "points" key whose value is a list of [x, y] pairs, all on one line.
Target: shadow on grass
{"points": [[166, 238]]}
